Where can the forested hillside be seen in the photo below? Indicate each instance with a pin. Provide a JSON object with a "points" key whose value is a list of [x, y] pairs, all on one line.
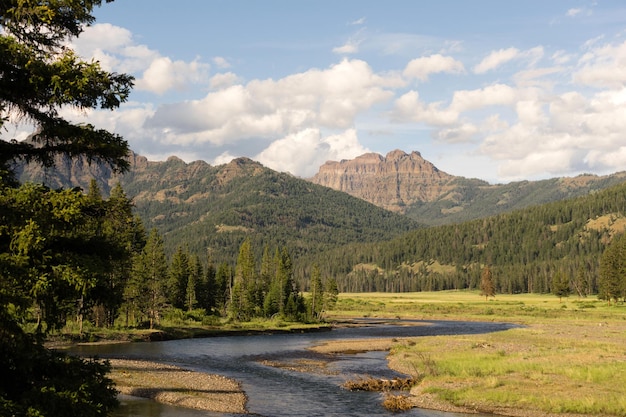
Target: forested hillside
{"points": [[473, 199], [524, 250], [214, 209]]}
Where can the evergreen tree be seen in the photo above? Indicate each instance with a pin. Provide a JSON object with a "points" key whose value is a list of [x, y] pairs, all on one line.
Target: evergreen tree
{"points": [[179, 272], [317, 294], [207, 290], [148, 283], [487, 287], [612, 281], [244, 296], [331, 293], [223, 284], [49, 254], [194, 282], [560, 285], [127, 231]]}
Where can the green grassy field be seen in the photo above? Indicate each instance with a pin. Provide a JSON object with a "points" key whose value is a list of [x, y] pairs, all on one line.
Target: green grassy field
{"points": [[568, 358]]}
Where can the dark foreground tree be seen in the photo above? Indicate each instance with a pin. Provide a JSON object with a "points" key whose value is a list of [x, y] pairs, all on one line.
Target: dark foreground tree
{"points": [[39, 75], [45, 265]]}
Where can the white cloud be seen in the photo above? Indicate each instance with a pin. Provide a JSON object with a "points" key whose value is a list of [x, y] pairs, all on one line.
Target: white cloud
{"points": [[409, 108], [559, 119], [350, 47], [163, 75], [303, 152], [457, 134], [116, 50], [223, 80], [421, 68], [223, 158], [493, 95], [604, 66], [496, 59], [330, 98], [570, 133]]}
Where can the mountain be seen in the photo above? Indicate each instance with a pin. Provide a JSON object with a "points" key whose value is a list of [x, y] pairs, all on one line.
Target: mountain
{"points": [[214, 208], [409, 184], [394, 182]]}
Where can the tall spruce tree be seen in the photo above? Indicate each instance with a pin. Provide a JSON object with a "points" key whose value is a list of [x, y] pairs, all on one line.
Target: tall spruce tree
{"points": [[146, 290], [179, 272], [49, 255]]}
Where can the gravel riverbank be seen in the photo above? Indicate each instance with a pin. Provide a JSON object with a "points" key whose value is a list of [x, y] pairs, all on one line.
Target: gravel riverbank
{"points": [[177, 386]]}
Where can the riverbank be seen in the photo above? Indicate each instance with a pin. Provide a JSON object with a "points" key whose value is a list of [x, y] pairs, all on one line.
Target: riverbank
{"points": [[566, 360], [177, 386]]}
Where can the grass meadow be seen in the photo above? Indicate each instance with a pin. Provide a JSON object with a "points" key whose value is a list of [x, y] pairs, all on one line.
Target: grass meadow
{"points": [[568, 357]]}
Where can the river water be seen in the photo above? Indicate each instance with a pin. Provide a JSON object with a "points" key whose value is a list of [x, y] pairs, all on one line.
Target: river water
{"points": [[276, 392]]}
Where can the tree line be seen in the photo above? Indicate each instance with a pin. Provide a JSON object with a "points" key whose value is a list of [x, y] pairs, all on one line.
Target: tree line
{"points": [[239, 292], [525, 250]]}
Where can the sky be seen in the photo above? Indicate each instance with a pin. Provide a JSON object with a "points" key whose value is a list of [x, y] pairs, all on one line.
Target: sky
{"points": [[497, 90]]}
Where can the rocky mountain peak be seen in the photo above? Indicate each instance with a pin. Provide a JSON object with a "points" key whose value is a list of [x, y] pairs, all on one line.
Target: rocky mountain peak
{"points": [[394, 181]]}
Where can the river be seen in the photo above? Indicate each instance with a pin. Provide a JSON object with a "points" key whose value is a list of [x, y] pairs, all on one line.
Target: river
{"points": [[276, 392]]}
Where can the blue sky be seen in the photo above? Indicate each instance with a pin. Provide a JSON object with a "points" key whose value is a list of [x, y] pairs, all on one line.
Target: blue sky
{"points": [[497, 90]]}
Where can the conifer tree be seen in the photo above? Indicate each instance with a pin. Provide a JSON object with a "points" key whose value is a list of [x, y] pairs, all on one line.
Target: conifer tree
{"points": [[179, 272], [317, 293], [560, 285], [487, 287], [146, 291], [244, 297], [223, 286], [193, 283], [49, 255], [207, 288], [612, 277]]}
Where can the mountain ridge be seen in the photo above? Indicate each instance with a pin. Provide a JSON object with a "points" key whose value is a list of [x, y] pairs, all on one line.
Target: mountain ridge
{"points": [[410, 185]]}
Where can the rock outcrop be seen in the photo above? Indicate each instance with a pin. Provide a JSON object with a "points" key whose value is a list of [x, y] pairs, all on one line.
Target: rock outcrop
{"points": [[393, 182]]}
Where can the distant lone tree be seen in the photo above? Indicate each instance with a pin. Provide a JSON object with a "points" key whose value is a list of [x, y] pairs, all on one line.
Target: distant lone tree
{"points": [[560, 285], [487, 287]]}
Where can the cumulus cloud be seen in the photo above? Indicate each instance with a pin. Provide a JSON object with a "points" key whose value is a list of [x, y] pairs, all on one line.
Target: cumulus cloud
{"points": [[330, 98], [116, 50], [421, 68], [305, 151], [223, 80], [409, 108], [464, 132], [569, 132], [603, 66], [163, 75], [557, 119]]}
